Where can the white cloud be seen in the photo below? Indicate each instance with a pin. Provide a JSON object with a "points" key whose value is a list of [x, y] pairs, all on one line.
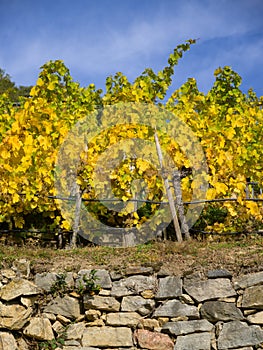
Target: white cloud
{"points": [[144, 41]]}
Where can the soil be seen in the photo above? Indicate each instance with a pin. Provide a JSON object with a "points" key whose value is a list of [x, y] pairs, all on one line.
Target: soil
{"points": [[238, 257]]}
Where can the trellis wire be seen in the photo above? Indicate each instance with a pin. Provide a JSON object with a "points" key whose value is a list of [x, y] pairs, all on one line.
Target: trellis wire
{"points": [[73, 198]]}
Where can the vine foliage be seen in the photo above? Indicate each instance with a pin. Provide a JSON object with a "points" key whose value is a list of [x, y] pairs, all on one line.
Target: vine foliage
{"points": [[227, 122]]}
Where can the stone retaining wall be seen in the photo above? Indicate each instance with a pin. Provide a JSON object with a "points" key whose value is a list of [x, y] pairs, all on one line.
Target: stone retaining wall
{"points": [[133, 309]]}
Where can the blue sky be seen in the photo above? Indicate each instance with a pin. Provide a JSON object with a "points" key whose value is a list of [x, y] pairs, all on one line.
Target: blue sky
{"points": [[99, 38]]}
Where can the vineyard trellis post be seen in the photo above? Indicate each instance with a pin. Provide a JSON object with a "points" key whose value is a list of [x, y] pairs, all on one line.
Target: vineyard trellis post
{"points": [[168, 191], [179, 203], [76, 223]]}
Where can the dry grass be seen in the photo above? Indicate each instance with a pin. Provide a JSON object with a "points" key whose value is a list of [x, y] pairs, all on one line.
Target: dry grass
{"points": [[238, 256]]}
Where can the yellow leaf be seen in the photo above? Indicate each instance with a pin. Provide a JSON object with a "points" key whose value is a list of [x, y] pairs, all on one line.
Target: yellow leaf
{"points": [[221, 159], [230, 133], [221, 188], [66, 225], [136, 215], [5, 154], [253, 208], [43, 142], [16, 143], [40, 82], [15, 198], [19, 222], [28, 140], [33, 91], [142, 165], [51, 86]]}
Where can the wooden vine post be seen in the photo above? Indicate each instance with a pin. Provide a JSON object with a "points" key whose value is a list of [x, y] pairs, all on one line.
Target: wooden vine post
{"points": [[76, 223], [168, 191], [179, 203]]}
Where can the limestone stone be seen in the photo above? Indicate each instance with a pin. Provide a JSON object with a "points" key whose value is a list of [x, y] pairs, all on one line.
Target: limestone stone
{"points": [[238, 334], [215, 311], [249, 280], [187, 327], [70, 280], [163, 320], [169, 287], [18, 287], [104, 292], [45, 280], [65, 306], [256, 318], [116, 275], [198, 341], [97, 323], [153, 340], [14, 316], [21, 267], [137, 304], [72, 347], [209, 289], [81, 318], [7, 341], [228, 300], [29, 301], [73, 344], [39, 328], [133, 285], [58, 327], [102, 278], [253, 297], [174, 308], [179, 318], [149, 324], [101, 303], [138, 270], [75, 331], [8, 273], [186, 299], [92, 315], [107, 337], [51, 317], [64, 320], [22, 344], [129, 319], [148, 294], [221, 273]]}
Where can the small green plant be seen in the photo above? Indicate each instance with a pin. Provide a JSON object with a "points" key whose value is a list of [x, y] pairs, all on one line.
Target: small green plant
{"points": [[88, 284], [59, 287], [52, 344], [56, 343]]}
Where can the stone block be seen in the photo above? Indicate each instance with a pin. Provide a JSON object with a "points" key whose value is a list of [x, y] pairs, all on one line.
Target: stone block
{"points": [[215, 311], [101, 303], [137, 304], [128, 319], [174, 308], [153, 340], [187, 327], [133, 285], [209, 289], [253, 297], [199, 341], [238, 334], [169, 287], [107, 337]]}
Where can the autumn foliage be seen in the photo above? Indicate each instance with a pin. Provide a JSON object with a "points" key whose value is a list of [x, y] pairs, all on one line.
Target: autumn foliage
{"points": [[226, 121]]}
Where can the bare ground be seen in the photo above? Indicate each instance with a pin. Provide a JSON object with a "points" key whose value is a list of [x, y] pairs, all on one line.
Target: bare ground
{"points": [[237, 256]]}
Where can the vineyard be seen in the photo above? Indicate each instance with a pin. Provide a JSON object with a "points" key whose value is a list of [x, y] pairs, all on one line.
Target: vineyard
{"points": [[57, 151]]}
